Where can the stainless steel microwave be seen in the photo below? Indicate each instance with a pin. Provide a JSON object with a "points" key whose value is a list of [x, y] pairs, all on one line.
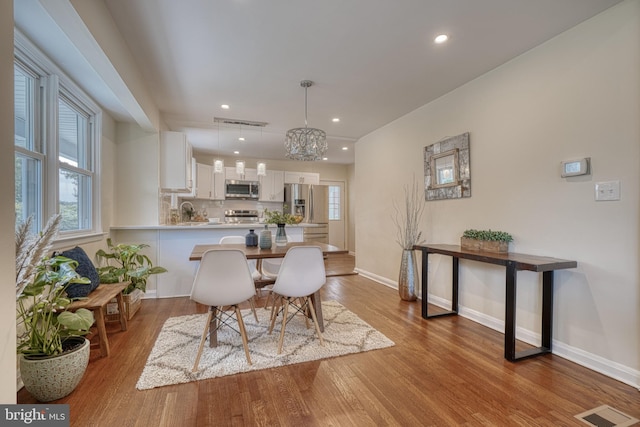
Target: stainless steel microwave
{"points": [[235, 189]]}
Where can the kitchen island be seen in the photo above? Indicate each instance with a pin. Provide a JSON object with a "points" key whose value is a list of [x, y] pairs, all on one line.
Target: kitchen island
{"points": [[170, 246]]}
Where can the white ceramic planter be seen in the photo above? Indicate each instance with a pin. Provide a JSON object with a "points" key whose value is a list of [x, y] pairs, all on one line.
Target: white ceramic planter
{"points": [[55, 377]]}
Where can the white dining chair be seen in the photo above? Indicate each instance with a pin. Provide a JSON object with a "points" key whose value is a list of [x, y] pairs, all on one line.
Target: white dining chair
{"points": [[223, 280], [255, 274], [269, 269], [301, 275]]}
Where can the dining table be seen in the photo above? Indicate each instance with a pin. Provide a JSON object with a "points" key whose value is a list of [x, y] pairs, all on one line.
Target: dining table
{"points": [[255, 252]]}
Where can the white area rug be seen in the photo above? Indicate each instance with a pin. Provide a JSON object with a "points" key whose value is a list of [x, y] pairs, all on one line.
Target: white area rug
{"points": [[175, 350]]}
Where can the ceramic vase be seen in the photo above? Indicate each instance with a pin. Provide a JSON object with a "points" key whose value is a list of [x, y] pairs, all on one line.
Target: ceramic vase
{"points": [[265, 238], [408, 281], [251, 239]]}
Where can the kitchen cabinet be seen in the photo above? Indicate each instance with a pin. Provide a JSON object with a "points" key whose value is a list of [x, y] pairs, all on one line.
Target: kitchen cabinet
{"points": [[249, 174], [272, 186], [209, 185], [302, 178], [175, 163]]}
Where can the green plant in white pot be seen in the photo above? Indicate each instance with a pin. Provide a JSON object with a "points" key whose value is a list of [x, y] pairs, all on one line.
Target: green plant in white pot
{"points": [[125, 263], [50, 340]]}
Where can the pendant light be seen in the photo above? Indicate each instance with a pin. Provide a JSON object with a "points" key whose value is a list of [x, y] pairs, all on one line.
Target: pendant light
{"points": [[261, 166], [218, 164], [305, 143]]}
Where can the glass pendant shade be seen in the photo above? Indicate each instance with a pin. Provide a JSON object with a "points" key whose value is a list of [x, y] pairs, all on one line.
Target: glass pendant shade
{"points": [[305, 143], [218, 166], [261, 168], [240, 167]]}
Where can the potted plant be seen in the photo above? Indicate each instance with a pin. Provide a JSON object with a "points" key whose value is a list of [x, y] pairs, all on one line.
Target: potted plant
{"points": [[125, 263], [53, 350], [281, 219], [407, 219], [486, 240]]}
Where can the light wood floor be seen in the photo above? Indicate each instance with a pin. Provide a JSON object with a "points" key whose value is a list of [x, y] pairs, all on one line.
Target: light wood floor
{"points": [[441, 372]]}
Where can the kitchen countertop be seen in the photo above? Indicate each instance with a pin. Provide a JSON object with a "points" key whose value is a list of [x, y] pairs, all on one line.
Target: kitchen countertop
{"points": [[206, 225]]}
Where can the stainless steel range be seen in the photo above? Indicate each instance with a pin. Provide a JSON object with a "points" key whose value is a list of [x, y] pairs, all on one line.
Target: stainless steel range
{"points": [[235, 216]]}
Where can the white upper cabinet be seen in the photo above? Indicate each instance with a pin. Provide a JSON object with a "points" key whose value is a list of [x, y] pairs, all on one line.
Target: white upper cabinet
{"points": [[272, 186], [209, 185], [175, 163], [302, 178], [249, 174]]}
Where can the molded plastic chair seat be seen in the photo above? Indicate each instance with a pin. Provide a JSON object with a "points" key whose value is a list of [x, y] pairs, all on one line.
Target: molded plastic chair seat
{"points": [[301, 275], [223, 280]]}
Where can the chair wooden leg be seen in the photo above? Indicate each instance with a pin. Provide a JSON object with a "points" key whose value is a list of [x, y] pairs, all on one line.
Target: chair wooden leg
{"points": [[243, 334], [303, 306], [277, 301], [284, 323], [315, 320], [202, 340], [252, 302]]}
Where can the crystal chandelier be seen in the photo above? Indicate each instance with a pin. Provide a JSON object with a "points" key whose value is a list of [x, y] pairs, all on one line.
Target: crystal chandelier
{"points": [[305, 143]]}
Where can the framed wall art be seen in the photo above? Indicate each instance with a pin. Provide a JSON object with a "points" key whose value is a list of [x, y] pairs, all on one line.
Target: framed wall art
{"points": [[447, 174]]}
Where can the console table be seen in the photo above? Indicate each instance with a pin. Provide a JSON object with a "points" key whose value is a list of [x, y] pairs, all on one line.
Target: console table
{"points": [[513, 263]]}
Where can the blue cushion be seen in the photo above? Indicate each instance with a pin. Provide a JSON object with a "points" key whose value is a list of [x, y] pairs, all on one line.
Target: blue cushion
{"points": [[85, 269]]}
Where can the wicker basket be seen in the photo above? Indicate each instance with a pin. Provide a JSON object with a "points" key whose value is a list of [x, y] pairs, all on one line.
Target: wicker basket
{"points": [[132, 303]]}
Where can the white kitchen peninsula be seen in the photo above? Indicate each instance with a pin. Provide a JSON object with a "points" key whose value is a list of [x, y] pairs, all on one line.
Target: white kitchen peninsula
{"points": [[170, 246]]}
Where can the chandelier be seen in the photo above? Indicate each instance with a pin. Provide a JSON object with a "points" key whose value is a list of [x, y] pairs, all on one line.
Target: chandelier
{"points": [[305, 143]]}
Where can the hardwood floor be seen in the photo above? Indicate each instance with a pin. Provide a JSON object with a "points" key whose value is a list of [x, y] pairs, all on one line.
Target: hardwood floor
{"points": [[441, 372]]}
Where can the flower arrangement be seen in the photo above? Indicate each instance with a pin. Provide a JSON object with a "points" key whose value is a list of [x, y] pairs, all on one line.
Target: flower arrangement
{"points": [[277, 217], [42, 322], [408, 216], [131, 266]]}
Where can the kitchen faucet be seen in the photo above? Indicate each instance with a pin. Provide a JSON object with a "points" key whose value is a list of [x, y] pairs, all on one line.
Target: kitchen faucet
{"points": [[190, 212]]}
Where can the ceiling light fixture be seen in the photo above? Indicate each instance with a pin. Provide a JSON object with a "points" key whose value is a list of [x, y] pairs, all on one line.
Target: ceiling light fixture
{"points": [[305, 143], [441, 38], [335, 119], [224, 106]]}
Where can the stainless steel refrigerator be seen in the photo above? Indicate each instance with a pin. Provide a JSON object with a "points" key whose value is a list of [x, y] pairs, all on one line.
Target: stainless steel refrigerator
{"points": [[312, 202]]}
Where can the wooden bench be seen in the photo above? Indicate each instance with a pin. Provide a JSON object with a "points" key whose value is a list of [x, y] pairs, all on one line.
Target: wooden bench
{"points": [[97, 301]]}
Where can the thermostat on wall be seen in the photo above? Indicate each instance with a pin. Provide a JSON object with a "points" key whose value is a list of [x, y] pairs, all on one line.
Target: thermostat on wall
{"points": [[576, 167]]}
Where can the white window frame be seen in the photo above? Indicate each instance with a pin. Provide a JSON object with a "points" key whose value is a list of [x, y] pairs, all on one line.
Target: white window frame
{"points": [[55, 84]]}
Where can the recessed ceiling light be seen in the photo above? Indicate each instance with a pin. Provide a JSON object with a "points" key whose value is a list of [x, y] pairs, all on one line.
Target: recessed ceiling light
{"points": [[441, 38], [345, 148], [224, 106], [236, 152], [241, 138], [325, 158], [335, 119]]}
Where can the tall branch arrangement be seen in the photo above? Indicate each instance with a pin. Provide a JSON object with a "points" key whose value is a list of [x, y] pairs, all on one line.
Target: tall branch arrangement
{"points": [[407, 216], [31, 248]]}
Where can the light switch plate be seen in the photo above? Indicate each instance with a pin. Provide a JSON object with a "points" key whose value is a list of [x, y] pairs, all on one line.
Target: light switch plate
{"points": [[609, 190]]}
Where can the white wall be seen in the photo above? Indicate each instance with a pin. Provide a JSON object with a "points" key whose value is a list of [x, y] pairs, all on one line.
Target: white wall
{"points": [[575, 96], [7, 213], [136, 176]]}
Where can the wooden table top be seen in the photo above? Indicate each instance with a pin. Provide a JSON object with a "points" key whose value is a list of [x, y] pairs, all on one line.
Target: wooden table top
{"points": [[521, 261], [255, 252]]}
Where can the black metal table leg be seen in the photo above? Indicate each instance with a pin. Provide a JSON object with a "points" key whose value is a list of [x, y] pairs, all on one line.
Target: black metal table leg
{"points": [[547, 309], [510, 313], [425, 288]]}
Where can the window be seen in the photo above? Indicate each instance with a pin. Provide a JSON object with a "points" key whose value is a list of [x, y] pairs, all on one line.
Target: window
{"points": [[57, 144], [334, 202]]}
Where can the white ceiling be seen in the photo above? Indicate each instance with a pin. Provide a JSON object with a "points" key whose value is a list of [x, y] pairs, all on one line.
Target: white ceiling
{"points": [[371, 61]]}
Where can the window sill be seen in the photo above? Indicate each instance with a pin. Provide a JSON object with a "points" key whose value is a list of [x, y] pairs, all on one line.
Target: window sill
{"points": [[77, 240]]}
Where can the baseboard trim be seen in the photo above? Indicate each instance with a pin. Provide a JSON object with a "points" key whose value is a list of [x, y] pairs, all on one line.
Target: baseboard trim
{"points": [[576, 355]]}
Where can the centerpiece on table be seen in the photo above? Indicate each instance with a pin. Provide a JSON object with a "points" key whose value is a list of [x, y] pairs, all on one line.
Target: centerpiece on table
{"points": [[54, 353], [281, 219], [407, 219], [486, 240]]}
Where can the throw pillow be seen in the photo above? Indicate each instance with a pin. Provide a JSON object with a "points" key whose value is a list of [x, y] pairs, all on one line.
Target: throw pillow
{"points": [[85, 269]]}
